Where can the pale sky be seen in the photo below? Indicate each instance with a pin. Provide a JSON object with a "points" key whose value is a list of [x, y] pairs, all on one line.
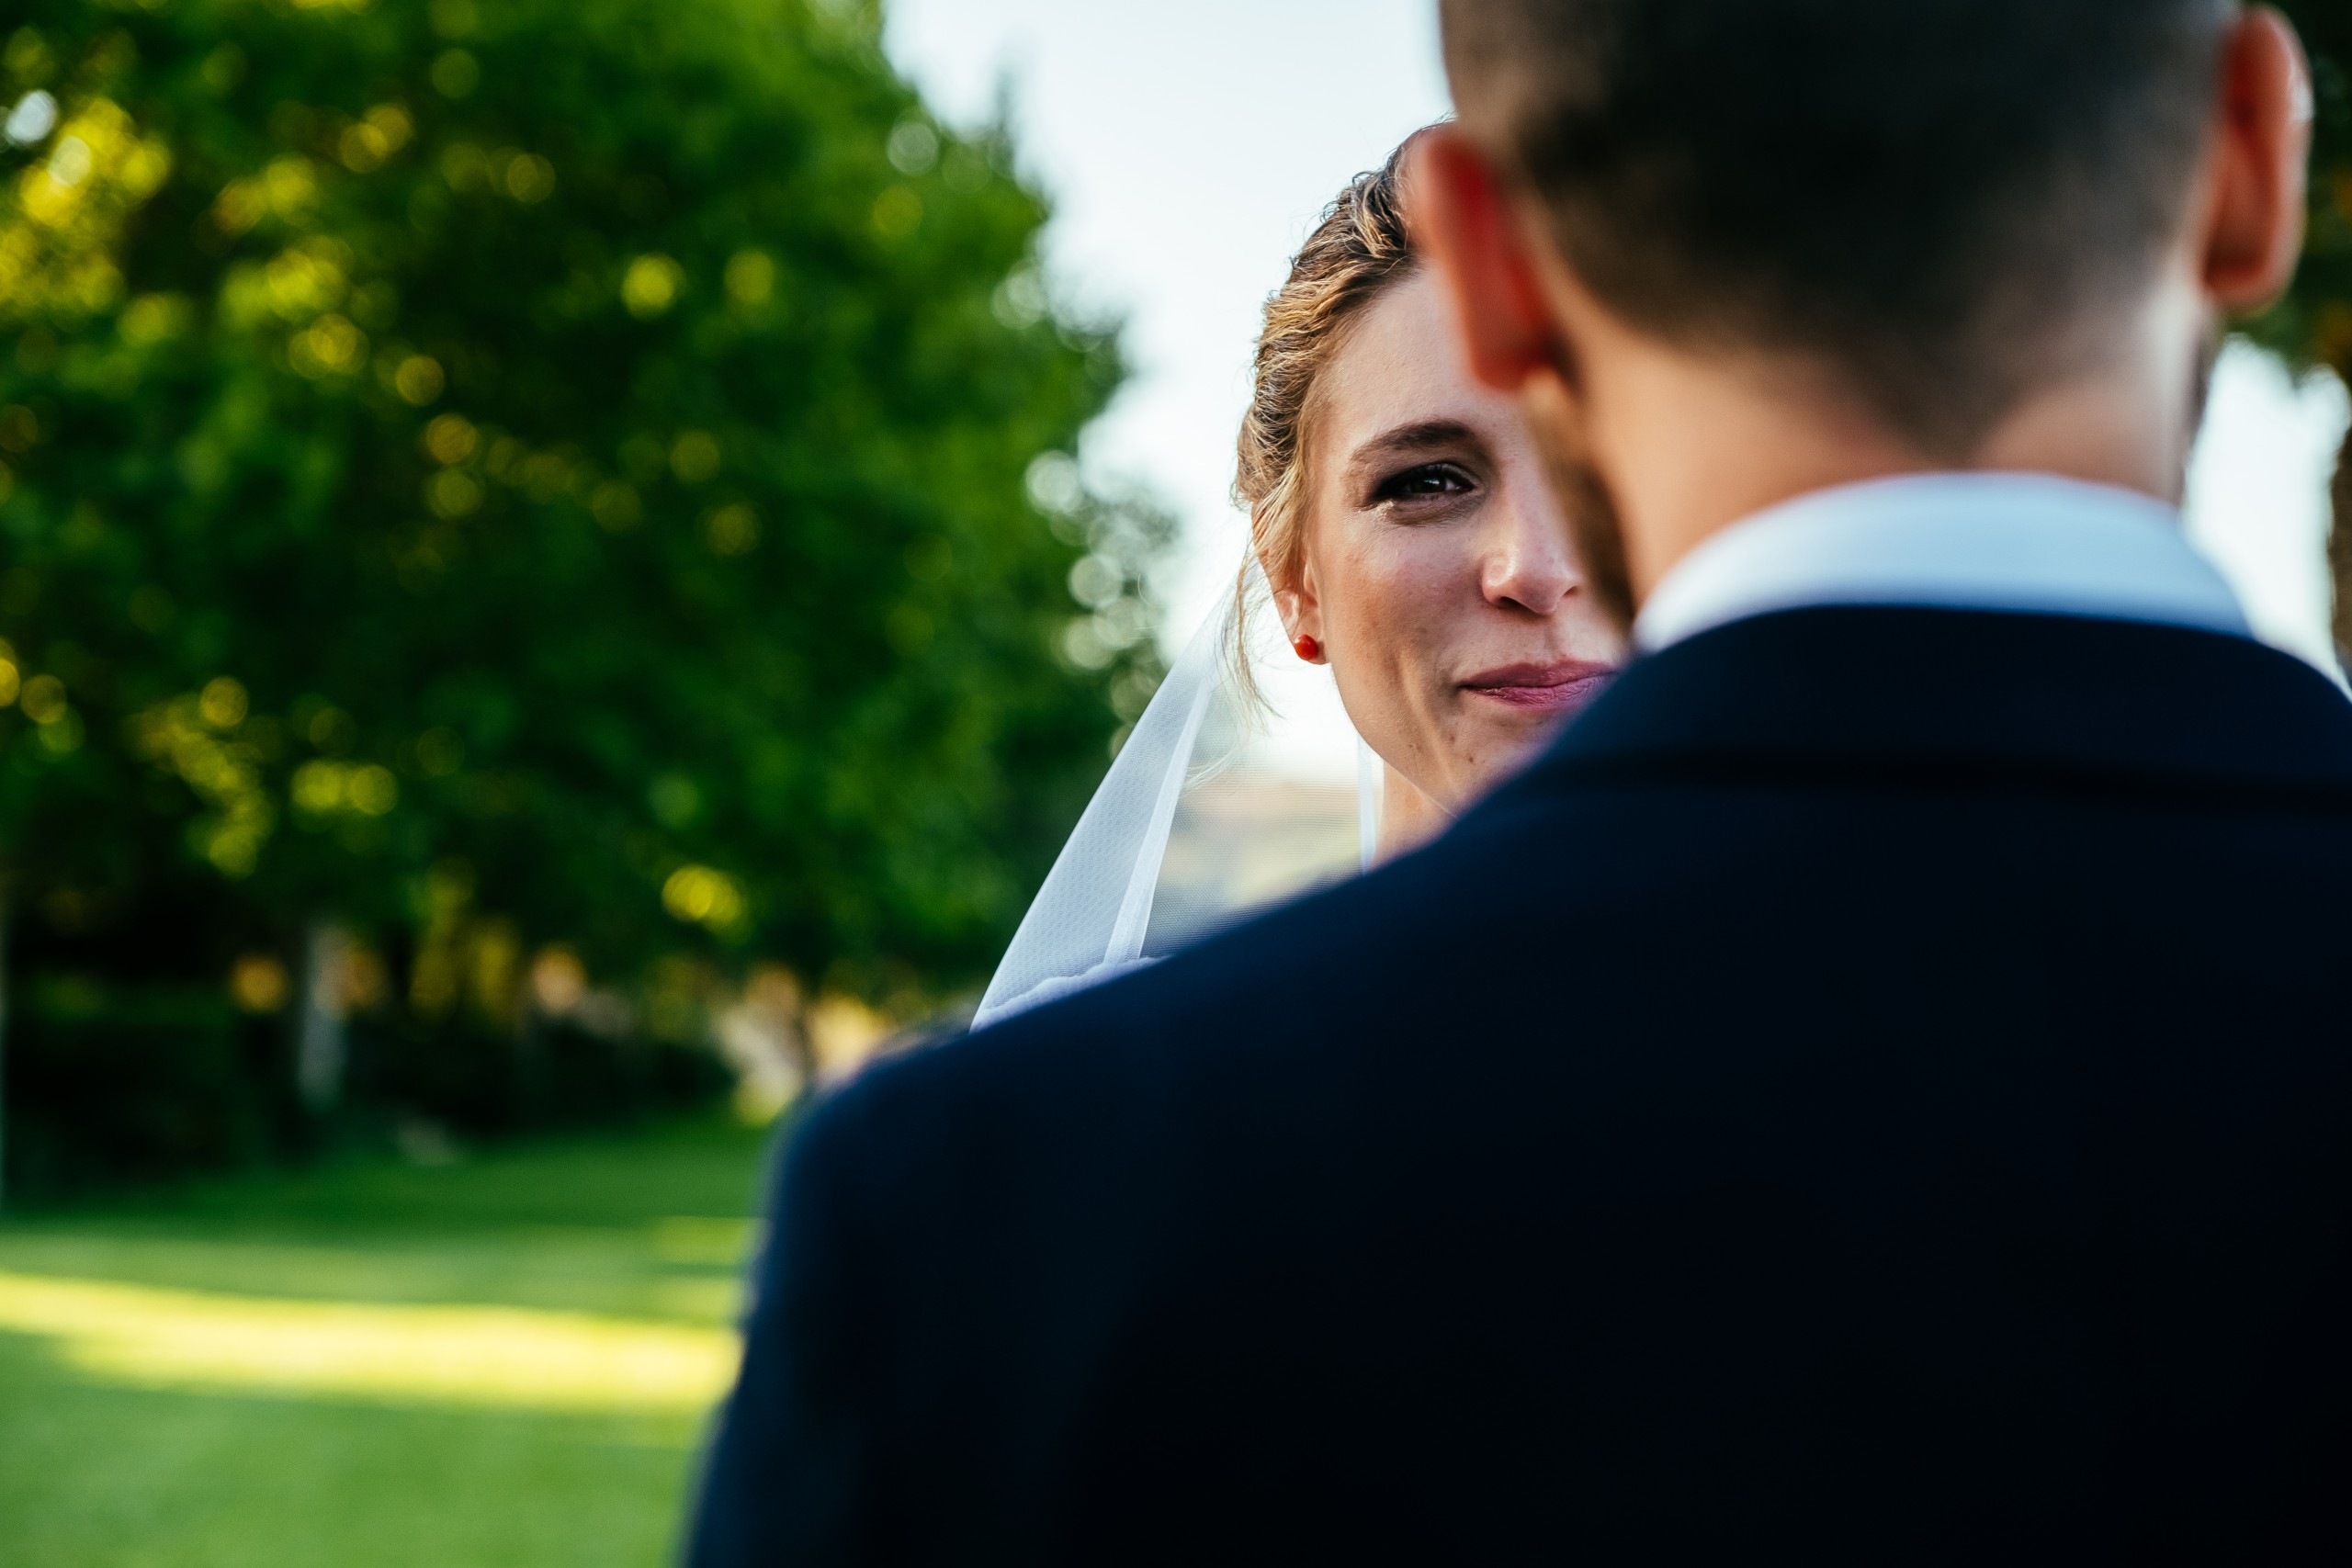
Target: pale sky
{"points": [[1188, 149]]}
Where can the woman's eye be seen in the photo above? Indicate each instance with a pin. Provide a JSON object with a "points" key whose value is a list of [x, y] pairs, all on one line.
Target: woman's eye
{"points": [[1427, 482]]}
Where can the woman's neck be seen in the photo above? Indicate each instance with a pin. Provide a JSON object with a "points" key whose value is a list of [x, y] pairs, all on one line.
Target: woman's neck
{"points": [[1409, 818]]}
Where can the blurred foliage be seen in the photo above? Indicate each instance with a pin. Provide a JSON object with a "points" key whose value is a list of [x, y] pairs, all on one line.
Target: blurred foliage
{"points": [[112, 1087], [2312, 328], [571, 478], [115, 1085]]}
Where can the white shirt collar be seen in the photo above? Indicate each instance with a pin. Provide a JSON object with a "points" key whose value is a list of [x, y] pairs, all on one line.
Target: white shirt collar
{"points": [[1979, 541]]}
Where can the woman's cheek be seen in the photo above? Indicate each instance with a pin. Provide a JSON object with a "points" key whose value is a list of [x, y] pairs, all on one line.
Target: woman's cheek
{"points": [[1415, 584]]}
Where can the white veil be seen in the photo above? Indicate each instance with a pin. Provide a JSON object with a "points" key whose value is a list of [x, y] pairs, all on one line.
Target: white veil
{"points": [[1198, 824]]}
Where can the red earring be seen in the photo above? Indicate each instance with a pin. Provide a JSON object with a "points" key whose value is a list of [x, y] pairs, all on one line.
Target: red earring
{"points": [[1306, 648]]}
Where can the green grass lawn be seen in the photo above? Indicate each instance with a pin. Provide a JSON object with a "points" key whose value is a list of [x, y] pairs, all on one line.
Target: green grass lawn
{"points": [[347, 1367]]}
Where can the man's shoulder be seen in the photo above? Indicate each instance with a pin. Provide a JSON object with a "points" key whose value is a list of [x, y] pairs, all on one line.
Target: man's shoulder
{"points": [[1798, 775], [1843, 694], [1267, 1008]]}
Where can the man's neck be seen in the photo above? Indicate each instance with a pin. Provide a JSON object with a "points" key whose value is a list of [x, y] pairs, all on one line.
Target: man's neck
{"points": [[1687, 449], [1689, 444]]}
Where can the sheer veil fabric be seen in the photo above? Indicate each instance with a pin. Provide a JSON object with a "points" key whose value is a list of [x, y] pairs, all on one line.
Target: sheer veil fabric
{"points": [[1196, 826]]}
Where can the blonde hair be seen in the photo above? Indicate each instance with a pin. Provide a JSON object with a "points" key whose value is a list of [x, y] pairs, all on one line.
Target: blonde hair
{"points": [[1360, 247]]}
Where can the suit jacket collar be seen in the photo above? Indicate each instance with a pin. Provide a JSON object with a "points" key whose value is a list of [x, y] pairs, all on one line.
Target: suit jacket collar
{"points": [[1974, 541], [1942, 695]]}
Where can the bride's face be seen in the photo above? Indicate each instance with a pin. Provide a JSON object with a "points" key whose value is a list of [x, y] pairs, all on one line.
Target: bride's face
{"points": [[1436, 568]]}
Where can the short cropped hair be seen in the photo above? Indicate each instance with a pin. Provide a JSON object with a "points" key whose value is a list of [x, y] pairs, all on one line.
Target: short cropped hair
{"points": [[1942, 201]]}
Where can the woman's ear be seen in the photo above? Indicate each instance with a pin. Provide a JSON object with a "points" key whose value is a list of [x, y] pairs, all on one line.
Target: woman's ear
{"points": [[1301, 615], [1295, 603], [1295, 616]]}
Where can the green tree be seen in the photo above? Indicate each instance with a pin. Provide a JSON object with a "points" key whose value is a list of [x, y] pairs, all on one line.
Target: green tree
{"points": [[533, 471]]}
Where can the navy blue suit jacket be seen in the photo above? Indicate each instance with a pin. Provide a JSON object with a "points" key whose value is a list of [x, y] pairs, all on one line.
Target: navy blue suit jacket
{"points": [[1878, 1089]]}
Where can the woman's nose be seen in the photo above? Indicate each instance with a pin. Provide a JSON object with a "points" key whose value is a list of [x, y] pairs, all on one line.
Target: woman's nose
{"points": [[1530, 565]]}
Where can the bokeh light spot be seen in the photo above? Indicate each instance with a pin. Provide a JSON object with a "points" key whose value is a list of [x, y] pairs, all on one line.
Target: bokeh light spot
{"points": [[453, 494], [258, 983], [34, 116], [1054, 485], [1083, 646], [1020, 300], [373, 791], [652, 286], [615, 505], [363, 148], [419, 378], [700, 895], [292, 187], [330, 346], [897, 213], [529, 178], [732, 530], [393, 123], [455, 73], [331, 731], [466, 166], [751, 277], [559, 980], [152, 319], [439, 754], [43, 699], [223, 703], [71, 163], [914, 147], [19, 428], [451, 438], [694, 457], [317, 786], [454, 19], [223, 68], [62, 735]]}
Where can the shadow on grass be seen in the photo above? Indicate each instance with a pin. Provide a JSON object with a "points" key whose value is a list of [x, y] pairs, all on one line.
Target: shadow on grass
{"points": [[699, 1167]]}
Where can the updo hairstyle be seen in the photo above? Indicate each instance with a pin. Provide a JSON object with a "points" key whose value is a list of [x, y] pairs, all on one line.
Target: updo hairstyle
{"points": [[1359, 248]]}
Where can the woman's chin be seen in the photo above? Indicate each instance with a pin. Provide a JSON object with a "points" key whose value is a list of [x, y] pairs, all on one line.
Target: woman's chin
{"points": [[1513, 725]]}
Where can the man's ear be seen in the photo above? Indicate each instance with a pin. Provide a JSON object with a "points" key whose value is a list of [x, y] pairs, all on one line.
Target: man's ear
{"points": [[2254, 232], [1465, 224]]}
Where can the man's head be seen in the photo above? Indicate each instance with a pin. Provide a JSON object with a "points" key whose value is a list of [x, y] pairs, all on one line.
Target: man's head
{"points": [[1909, 219]]}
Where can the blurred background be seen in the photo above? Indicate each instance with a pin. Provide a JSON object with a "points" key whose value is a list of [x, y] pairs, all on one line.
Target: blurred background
{"points": [[564, 567]]}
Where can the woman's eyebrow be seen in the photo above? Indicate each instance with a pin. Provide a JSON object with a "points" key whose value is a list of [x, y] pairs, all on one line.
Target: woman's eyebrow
{"points": [[1404, 440]]}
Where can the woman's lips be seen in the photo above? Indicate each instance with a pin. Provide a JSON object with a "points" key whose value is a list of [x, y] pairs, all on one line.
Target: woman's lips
{"points": [[1540, 688]]}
